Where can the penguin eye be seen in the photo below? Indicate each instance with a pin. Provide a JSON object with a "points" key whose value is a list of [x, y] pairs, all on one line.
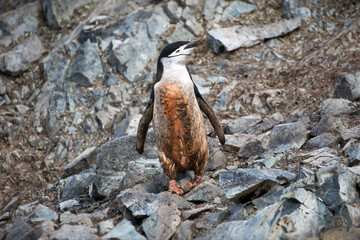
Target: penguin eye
{"points": [[177, 51]]}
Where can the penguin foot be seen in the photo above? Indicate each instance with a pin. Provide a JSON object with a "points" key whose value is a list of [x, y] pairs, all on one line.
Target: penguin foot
{"points": [[175, 188], [192, 183]]}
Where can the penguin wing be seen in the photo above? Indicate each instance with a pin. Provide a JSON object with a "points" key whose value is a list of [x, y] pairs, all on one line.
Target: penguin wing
{"points": [[144, 124], [209, 113]]}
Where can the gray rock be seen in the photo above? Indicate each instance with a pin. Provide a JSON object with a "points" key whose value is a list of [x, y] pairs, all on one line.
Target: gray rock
{"points": [[191, 23], [235, 37], [110, 79], [204, 192], [224, 96], [68, 204], [289, 8], [185, 231], [57, 104], [53, 126], [74, 232], [323, 140], [124, 230], [236, 141], [119, 166], [69, 218], [85, 160], [267, 123], [302, 12], [354, 154], [54, 68], [302, 212], [238, 212], [323, 157], [354, 132], [249, 183], [76, 184], [236, 9], [163, 223], [46, 228], [141, 31], [336, 106], [17, 60], [21, 231], [192, 213], [173, 10], [16, 23], [22, 109], [330, 124], [56, 12], [217, 160], [105, 226], [287, 136], [250, 148], [90, 125], [242, 124], [42, 213], [349, 87], [86, 66], [145, 204], [211, 220], [26, 209], [209, 9]]}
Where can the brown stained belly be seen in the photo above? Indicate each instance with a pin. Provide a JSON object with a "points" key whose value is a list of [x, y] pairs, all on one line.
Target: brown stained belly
{"points": [[178, 126]]}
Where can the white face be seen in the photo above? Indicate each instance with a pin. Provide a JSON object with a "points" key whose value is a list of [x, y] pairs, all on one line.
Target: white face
{"points": [[179, 56]]}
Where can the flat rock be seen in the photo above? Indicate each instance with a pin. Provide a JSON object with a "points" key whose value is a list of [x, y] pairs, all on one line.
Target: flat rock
{"points": [[144, 204], [86, 66], [124, 230], [82, 218], [236, 141], [17, 60], [217, 160], [105, 226], [56, 11], [204, 192], [242, 124], [74, 232], [336, 106], [192, 213], [354, 132], [85, 160], [266, 124], [191, 22], [163, 223], [42, 213], [354, 154], [287, 136], [323, 140], [120, 166], [250, 148], [21, 231], [18, 22], [330, 124], [236, 9], [235, 37], [76, 184], [249, 183], [322, 157]]}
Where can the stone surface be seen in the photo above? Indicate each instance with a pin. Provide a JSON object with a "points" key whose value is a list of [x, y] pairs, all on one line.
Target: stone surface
{"points": [[145, 204], [322, 157], [57, 12], [266, 124], [242, 124], [42, 213], [235, 37], [236, 141], [204, 192], [354, 132], [105, 226], [249, 183], [86, 65], [124, 230], [21, 231], [336, 106], [287, 136], [17, 60], [330, 124], [217, 160], [323, 140], [85, 160], [74, 232], [16, 23], [354, 154], [192, 213], [250, 148], [163, 223], [349, 87], [76, 184], [236, 9], [68, 204]]}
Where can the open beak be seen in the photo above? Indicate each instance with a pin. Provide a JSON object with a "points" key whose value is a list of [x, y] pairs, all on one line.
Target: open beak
{"points": [[193, 44]]}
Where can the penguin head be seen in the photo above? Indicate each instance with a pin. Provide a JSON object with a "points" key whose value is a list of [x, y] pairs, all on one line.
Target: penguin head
{"points": [[177, 52]]}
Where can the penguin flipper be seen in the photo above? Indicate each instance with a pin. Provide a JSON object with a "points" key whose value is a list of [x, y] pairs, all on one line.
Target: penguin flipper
{"points": [[144, 126], [213, 119]]}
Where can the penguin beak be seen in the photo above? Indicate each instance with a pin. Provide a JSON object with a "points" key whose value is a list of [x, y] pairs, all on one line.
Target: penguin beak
{"points": [[193, 44]]}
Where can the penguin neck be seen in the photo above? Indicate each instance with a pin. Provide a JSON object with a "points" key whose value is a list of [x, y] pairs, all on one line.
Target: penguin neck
{"points": [[175, 72]]}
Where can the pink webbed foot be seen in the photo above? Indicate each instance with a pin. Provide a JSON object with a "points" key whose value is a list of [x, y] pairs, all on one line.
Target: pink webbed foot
{"points": [[192, 183], [175, 188]]}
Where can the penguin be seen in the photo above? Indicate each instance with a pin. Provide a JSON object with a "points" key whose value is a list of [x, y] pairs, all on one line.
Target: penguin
{"points": [[176, 108]]}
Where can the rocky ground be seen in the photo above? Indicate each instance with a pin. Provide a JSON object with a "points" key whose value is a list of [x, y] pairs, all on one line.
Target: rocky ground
{"points": [[283, 77]]}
